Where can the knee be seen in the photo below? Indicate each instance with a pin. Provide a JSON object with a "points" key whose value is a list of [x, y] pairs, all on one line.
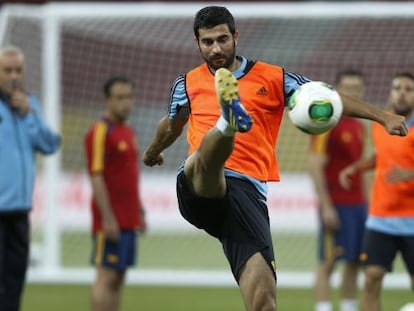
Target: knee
{"points": [[350, 273], [258, 284], [373, 278], [259, 293], [115, 283], [101, 288], [265, 298], [325, 268], [109, 280], [264, 294]]}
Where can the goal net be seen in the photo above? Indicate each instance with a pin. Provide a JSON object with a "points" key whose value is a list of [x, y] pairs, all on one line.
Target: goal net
{"points": [[72, 48]]}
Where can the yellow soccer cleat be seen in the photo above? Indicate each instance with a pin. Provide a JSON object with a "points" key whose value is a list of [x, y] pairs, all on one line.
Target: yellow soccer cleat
{"points": [[231, 108]]}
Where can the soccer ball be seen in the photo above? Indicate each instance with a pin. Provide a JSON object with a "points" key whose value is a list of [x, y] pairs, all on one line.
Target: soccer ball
{"points": [[408, 307], [315, 107]]}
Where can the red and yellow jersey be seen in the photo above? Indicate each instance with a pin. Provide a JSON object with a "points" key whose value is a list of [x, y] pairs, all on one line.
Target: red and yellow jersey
{"points": [[392, 199], [262, 94], [112, 149], [342, 146]]}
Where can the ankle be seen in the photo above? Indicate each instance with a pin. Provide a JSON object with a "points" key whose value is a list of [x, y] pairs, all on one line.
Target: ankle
{"points": [[224, 127]]}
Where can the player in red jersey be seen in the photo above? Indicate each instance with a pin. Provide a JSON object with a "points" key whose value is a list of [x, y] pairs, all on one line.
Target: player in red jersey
{"points": [[112, 153], [342, 211]]}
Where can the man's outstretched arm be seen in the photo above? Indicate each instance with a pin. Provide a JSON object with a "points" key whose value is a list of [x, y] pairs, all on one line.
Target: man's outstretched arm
{"points": [[393, 124]]}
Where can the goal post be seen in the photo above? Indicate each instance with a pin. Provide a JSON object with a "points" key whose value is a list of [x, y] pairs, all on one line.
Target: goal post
{"points": [[71, 48], [51, 91]]}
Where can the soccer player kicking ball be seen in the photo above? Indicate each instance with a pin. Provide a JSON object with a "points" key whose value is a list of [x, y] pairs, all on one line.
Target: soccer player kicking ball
{"points": [[221, 186]]}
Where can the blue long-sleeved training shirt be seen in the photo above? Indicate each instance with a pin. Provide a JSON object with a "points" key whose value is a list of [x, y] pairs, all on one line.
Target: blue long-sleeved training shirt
{"points": [[20, 138]]}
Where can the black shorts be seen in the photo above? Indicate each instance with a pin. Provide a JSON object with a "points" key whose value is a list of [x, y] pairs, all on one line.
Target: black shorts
{"points": [[380, 248], [14, 257], [240, 220]]}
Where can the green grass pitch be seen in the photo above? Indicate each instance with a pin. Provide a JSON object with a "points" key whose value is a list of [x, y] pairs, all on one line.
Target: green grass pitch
{"points": [[295, 252], [76, 297]]}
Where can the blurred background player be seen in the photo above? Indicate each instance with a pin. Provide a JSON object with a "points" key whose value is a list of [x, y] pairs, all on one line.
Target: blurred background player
{"points": [[112, 154], [23, 133], [222, 185], [342, 212], [390, 224]]}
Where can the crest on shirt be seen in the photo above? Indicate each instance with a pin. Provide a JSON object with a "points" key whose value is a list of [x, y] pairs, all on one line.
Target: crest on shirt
{"points": [[346, 137], [122, 146]]}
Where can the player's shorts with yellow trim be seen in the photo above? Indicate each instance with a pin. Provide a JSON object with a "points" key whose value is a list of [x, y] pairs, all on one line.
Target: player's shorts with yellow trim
{"points": [[380, 248], [345, 243], [240, 220], [116, 255]]}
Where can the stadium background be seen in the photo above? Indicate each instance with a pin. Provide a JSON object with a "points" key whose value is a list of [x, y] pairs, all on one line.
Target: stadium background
{"points": [[153, 51]]}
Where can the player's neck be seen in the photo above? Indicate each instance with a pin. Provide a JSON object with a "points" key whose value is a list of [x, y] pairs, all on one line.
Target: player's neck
{"points": [[113, 118], [236, 64]]}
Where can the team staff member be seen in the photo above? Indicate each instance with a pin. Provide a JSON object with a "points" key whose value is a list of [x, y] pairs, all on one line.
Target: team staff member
{"points": [[23, 133], [221, 186], [342, 212], [390, 224], [112, 154]]}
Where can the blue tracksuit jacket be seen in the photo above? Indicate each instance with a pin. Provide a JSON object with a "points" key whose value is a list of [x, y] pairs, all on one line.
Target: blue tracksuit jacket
{"points": [[20, 138]]}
